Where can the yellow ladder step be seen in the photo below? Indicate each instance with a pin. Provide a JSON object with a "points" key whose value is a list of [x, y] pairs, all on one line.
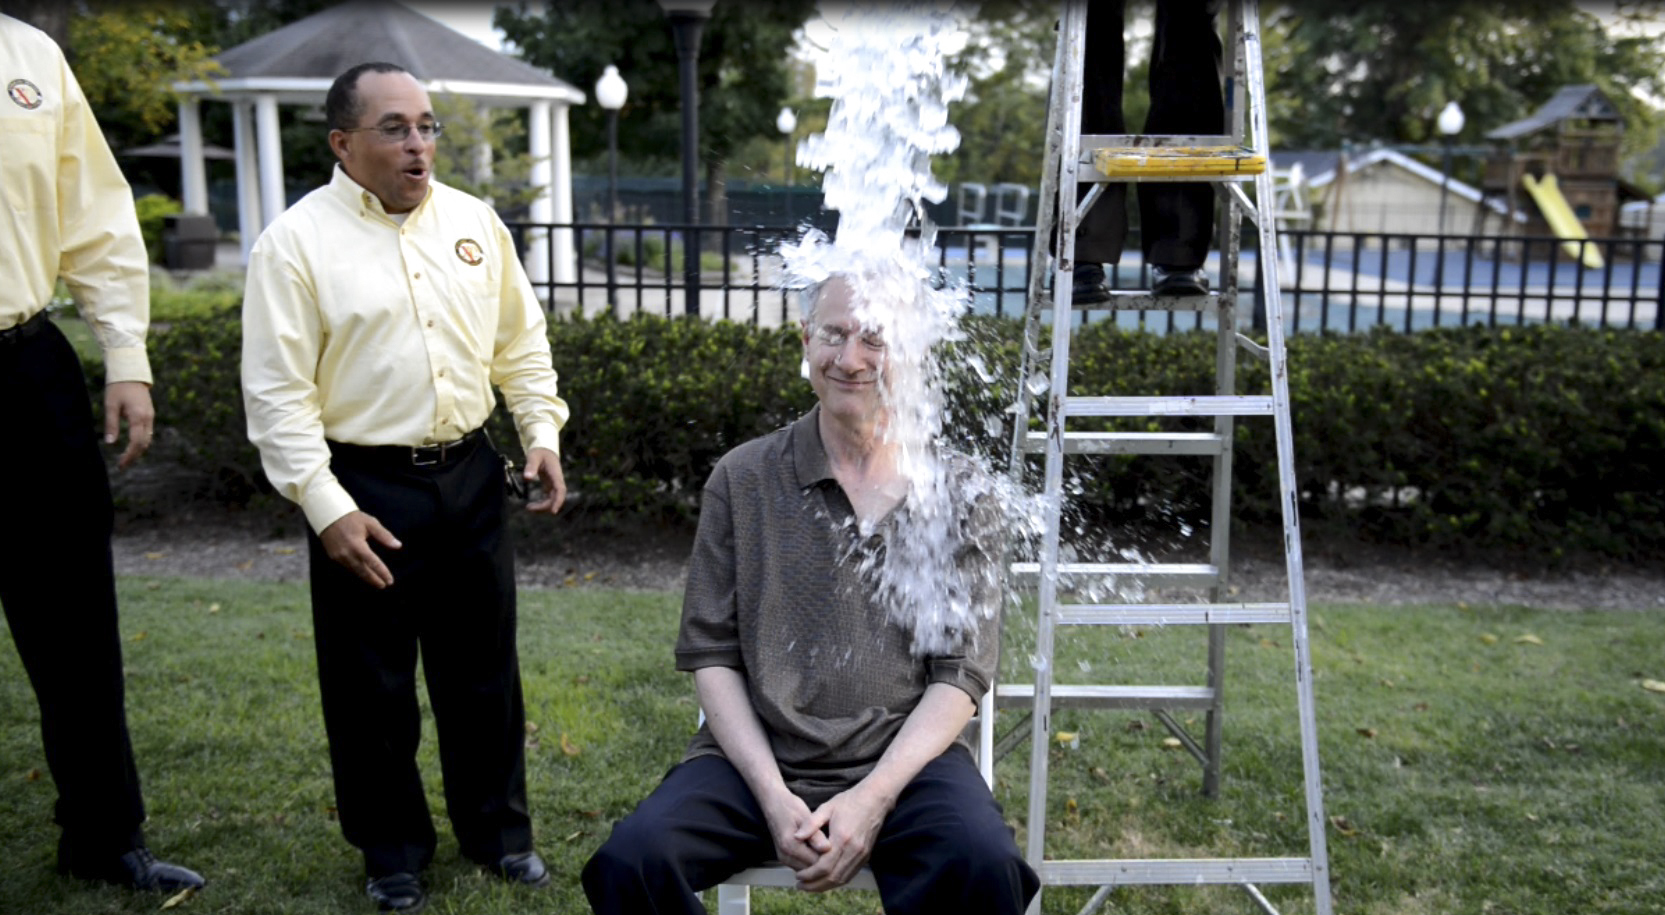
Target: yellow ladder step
{"points": [[1177, 161]]}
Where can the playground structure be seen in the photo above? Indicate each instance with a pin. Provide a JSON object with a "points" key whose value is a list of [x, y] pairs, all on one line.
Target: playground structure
{"points": [[1565, 156], [1553, 206]]}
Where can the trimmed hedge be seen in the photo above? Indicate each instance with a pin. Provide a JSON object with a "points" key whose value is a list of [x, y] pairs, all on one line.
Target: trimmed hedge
{"points": [[153, 210], [1547, 441]]}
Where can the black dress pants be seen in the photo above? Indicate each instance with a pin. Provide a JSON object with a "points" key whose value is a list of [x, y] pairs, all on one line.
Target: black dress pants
{"points": [[1176, 219], [944, 848], [58, 589], [452, 601]]}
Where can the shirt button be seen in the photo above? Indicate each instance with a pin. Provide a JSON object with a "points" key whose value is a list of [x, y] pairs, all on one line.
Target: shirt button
{"points": [[418, 275], [430, 324], [442, 373], [445, 422]]}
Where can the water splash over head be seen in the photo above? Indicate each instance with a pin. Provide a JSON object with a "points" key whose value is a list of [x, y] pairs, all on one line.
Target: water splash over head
{"points": [[885, 66]]}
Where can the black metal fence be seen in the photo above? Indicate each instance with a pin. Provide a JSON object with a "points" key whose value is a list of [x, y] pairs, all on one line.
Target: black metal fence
{"points": [[1351, 281], [1330, 281]]}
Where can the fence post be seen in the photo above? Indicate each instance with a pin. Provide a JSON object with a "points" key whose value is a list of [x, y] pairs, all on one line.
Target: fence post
{"points": [[1659, 297]]}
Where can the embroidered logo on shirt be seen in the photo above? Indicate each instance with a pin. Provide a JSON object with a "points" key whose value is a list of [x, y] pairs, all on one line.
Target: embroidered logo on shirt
{"points": [[24, 93], [470, 252]]}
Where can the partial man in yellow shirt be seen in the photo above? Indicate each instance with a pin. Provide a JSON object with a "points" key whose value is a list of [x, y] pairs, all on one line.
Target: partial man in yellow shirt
{"points": [[380, 312], [68, 214]]}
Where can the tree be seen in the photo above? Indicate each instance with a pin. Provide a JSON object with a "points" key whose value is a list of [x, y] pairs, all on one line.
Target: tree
{"points": [[1382, 72], [1002, 119], [127, 56], [459, 160], [744, 75], [50, 16], [1336, 72]]}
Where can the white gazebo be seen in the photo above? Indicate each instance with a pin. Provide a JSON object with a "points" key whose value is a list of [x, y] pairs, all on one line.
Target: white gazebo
{"points": [[296, 64]]}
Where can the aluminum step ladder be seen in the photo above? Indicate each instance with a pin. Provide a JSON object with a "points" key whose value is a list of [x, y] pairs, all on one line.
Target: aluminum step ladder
{"points": [[1236, 157]]}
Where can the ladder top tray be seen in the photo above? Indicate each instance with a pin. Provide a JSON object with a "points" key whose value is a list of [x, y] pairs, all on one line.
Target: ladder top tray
{"points": [[1155, 162]]}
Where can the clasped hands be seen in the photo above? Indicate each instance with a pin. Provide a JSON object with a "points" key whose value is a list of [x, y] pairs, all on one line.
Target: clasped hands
{"points": [[826, 846]]}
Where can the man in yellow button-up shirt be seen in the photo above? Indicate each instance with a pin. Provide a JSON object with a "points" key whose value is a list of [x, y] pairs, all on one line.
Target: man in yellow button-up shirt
{"points": [[380, 311], [67, 213]]}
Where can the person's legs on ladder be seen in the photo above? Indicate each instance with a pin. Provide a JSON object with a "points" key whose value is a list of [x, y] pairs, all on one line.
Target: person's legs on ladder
{"points": [[1099, 236], [1177, 219]]}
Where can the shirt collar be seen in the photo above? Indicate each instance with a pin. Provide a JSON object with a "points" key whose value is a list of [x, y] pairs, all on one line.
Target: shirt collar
{"points": [[355, 195], [809, 456]]}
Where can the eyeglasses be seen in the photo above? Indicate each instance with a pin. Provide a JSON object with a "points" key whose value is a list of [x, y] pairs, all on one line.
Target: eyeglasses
{"points": [[836, 337], [396, 133]]}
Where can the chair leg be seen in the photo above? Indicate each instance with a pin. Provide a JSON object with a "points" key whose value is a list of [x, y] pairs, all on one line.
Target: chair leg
{"points": [[733, 899]]}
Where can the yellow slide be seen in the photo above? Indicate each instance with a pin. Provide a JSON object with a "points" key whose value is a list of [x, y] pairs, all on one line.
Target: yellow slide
{"points": [[1547, 194]]}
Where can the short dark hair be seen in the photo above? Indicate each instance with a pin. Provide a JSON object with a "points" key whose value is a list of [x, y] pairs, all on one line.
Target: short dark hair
{"points": [[342, 108]]}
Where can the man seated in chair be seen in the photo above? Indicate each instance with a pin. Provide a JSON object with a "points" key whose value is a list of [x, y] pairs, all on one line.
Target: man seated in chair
{"points": [[829, 742]]}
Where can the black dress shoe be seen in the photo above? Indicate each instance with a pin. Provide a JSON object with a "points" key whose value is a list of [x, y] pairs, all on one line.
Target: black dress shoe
{"points": [[525, 868], [137, 869], [400, 892], [1171, 281], [1089, 287]]}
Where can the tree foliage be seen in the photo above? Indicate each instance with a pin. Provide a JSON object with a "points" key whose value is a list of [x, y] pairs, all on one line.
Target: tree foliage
{"points": [[1381, 72], [745, 75], [127, 56], [469, 127], [1002, 120], [1336, 73]]}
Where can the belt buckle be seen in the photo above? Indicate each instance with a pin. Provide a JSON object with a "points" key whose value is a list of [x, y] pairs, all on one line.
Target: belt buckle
{"points": [[416, 452]]}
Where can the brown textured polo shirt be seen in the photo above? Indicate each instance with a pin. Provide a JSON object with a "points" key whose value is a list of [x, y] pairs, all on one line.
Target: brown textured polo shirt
{"points": [[776, 589]]}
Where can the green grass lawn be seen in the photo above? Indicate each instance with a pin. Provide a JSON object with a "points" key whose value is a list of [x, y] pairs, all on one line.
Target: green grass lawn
{"points": [[1469, 768]]}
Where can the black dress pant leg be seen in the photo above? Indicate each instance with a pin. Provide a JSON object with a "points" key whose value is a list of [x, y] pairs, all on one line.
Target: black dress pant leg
{"points": [[700, 825], [1100, 234], [58, 589], [366, 641], [452, 602], [1177, 219], [946, 847], [472, 665]]}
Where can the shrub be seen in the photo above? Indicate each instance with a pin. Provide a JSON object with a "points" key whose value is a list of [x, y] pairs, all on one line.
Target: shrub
{"points": [[153, 209], [201, 295], [1545, 441], [199, 404], [653, 252], [656, 401]]}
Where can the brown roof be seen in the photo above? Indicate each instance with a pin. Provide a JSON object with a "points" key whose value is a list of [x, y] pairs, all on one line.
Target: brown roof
{"points": [[1583, 102]]}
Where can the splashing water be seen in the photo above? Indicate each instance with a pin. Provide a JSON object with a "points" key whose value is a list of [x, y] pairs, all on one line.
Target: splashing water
{"points": [[885, 66]]}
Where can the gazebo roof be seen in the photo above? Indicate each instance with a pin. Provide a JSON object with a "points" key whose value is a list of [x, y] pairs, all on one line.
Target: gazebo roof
{"points": [[299, 61]]}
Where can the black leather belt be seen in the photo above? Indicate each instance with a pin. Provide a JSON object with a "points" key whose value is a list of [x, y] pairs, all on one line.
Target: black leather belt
{"points": [[443, 454], [18, 333]]}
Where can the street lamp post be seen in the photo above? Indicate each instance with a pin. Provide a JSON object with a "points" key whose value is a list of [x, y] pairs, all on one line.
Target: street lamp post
{"points": [[1450, 123], [610, 93], [786, 123], [687, 19]]}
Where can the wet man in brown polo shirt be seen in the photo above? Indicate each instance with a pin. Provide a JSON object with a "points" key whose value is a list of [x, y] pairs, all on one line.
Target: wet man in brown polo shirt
{"points": [[828, 744]]}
